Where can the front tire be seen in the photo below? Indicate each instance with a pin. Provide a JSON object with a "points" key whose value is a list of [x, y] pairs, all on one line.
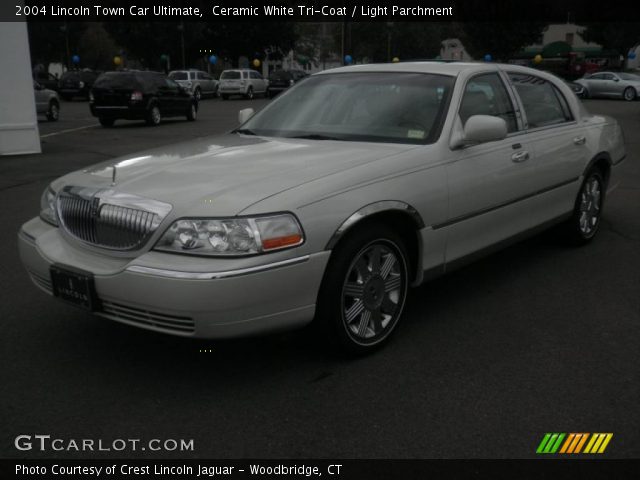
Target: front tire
{"points": [[54, 111], [629, 94], [192, 113], [154, 117], [364, 289], [249, 94], [197, 94], [584, 223], [224, 97]]}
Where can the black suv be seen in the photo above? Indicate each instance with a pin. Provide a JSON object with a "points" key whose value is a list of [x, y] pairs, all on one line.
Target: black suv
{"points": [[280, 80], [134, 95], [76, 83]]}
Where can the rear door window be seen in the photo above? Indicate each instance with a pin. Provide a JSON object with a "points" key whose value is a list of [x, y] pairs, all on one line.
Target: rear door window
{"points": [[543, 103]]}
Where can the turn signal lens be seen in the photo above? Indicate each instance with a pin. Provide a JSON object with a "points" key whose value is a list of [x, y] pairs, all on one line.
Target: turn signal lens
{"points": [[136, 96]]}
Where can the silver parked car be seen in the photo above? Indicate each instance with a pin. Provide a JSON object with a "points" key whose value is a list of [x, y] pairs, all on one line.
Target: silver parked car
{"points": [[332, 201], [199, 83], [47, 102], [243, 82], [611, 85]]}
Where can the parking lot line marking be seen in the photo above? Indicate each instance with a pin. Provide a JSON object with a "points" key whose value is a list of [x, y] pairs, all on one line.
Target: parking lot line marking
{"points": [[69, 130]]}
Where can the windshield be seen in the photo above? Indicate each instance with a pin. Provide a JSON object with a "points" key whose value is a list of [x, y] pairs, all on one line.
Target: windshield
{"points": [[629, 76], [375, 107], [232, 75], [179, 76]]}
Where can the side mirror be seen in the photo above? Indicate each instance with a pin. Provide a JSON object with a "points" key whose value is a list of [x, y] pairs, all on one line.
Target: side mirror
{"points": [[245, 114], [484, 128], [616, 79], [37, 86]]}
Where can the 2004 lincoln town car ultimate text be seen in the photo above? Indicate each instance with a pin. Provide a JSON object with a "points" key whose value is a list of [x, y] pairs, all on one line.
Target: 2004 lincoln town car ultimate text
{"points": [[328, 204]]}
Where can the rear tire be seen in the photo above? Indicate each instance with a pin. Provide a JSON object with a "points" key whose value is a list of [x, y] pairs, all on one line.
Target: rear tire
{"points": [[54, 111], [197, 94], [629, 94], [584, 223], [154, 117], [364, 290], [106, 122], [224, 97]]}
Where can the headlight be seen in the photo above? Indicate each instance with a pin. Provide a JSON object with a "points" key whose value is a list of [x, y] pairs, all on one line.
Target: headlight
{"points": [[232, 236], [48, 206]]}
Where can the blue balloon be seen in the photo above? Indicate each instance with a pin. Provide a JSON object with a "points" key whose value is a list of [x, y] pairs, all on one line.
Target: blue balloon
{"points": [[213, 59], [75, 59], [488, 57], [632, 55], [348, 59]]}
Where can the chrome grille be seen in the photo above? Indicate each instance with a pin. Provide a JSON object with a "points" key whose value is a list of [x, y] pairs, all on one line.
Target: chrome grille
{"points": [[95, 218], [164, 321]]}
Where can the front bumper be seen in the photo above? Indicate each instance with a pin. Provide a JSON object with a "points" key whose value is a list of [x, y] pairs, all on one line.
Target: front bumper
{"points": [[225, 302]]}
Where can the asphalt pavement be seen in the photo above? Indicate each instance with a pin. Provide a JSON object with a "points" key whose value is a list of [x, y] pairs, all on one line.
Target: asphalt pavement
{"points": [[536, 338]]}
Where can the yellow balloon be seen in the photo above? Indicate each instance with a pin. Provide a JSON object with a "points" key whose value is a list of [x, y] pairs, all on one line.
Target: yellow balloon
{"points": [[537, 59], [256, 63], [117, 60], [395, 60]]}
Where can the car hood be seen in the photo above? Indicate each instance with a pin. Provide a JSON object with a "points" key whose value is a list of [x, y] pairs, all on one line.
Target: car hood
{"points": [[226, 174]]}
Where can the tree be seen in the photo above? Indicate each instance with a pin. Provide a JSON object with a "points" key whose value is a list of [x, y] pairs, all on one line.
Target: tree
{"points": [[97, 48], [48, 41], [618, 36], [500, 40], [382, 41]]}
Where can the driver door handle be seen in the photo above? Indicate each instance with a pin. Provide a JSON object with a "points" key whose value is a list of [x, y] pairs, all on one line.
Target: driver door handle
{"points": [[580, 140], [520, 156]]}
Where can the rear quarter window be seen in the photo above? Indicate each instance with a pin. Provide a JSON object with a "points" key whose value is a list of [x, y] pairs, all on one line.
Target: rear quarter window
{"points": [[116, 80]]}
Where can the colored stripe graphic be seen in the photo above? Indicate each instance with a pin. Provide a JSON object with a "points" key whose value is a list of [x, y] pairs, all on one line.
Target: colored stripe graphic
{"points": [[598, 443], [574, 442], [550, 443]]}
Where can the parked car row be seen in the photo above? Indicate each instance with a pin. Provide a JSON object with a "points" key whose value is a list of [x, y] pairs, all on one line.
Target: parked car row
{"points": [[73, 83]]}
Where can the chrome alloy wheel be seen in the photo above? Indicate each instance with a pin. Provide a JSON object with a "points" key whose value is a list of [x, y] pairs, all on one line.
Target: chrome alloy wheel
{"points": [[590, 205], [629, 94], [155, 115], [373, 292]]}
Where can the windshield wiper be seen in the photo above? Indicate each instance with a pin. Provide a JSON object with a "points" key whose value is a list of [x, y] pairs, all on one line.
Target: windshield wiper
{"points": [[245, 131], [315, 136]]}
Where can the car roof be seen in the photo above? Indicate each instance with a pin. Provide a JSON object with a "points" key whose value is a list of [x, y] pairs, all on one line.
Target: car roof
{"points": [[441, 68]]}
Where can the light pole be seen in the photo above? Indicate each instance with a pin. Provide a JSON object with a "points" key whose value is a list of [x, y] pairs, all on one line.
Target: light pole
{"points": [[65, 29], [181, 29], [389, 28]]}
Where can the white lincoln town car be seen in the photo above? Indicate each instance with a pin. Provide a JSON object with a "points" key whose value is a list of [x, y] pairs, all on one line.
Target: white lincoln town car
{"points": [[328, 204]]}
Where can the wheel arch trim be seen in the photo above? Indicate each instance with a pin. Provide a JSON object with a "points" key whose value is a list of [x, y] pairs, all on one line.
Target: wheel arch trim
{"points": [[372, 209]]}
